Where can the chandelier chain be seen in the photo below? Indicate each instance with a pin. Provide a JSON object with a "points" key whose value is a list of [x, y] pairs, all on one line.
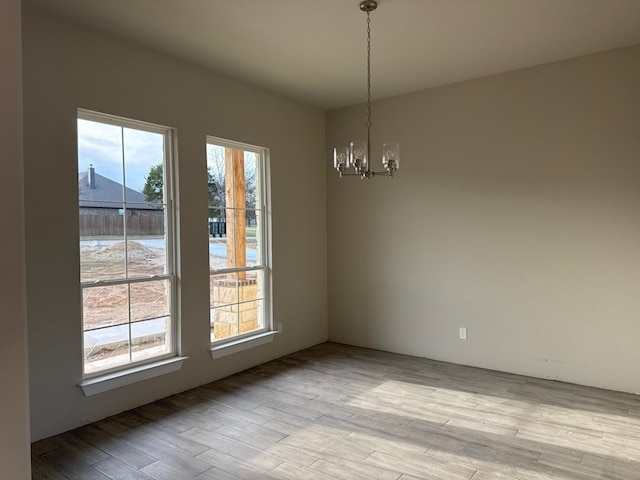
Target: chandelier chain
{"points": [[369, 124]]}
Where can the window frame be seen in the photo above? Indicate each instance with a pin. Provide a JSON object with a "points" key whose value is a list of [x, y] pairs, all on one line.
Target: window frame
{"points": [[254, 337], [171, 258]]}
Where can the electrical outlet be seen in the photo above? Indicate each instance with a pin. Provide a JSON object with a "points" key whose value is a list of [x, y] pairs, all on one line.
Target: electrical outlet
{"points": [[462, 333], [279, 327]]}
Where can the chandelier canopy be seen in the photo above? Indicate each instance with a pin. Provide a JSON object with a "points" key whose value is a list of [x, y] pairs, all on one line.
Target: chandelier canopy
{"points": [[357, 153]]}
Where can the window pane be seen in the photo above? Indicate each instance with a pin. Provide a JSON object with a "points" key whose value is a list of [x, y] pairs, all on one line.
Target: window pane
{"points": [[147, 249], [252, 286], [143, 166], [106, 348], [250, 180], [223, 289], [235, 235], [224, 294], [217, 215], [149, 299], [224, 322], [216, 180], [252, 233], [150, 338], [102, 306], [101, 257], [217, 249], [251, 317], [100, 147], [259, 236]]}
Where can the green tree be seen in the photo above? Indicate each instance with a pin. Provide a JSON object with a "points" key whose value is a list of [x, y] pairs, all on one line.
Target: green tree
{"points": [[153, 184]]}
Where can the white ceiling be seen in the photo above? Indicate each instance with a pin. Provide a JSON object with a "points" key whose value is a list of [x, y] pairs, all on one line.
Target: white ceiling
{"points": [[315, 50]]}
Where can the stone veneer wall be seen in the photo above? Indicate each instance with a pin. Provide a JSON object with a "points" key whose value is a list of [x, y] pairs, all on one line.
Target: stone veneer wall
{"points": [[236, 309]]}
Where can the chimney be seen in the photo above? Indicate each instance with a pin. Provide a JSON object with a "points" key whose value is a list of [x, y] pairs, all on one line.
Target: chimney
{"points": [[91, 177]]}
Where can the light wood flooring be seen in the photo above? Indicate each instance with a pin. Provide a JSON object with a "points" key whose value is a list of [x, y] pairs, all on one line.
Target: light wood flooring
{"points": [[340, 412]]}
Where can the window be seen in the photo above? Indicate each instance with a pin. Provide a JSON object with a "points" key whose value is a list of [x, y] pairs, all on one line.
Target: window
{"points": [[238, 233], [126, 242]]}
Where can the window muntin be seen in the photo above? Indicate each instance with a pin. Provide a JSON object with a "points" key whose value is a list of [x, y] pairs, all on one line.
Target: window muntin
{"points": [[238, 233], [126, 242]]}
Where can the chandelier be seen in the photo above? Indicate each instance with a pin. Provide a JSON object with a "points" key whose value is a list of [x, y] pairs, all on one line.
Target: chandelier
{"points": [[357, 153]]}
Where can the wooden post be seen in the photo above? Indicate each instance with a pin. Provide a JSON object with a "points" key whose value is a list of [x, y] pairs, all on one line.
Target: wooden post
{"points": [[235, 213]]}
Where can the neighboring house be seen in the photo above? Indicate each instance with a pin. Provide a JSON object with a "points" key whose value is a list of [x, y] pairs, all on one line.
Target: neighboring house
{"points": [[102, 207], [101, 194]]}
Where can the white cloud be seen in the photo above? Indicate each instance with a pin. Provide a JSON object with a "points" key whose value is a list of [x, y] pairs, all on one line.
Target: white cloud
{"points": [[100, 145]]}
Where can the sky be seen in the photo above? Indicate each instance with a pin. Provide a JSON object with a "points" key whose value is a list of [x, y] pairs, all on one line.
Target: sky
{"points": [[101, 145]]}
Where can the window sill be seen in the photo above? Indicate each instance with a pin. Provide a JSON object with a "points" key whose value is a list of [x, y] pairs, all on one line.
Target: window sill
{"points": [[229, 348], [111, 381]]}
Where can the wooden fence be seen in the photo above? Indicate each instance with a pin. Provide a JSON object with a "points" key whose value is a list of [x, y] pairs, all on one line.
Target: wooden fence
{"points": [[97, 224]]}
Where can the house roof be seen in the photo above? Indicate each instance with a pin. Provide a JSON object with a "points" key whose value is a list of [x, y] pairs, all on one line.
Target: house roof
{"points": [[109, 194]]}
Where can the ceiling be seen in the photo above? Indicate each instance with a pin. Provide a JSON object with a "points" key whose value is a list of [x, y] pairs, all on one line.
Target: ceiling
{"points": [[315, 50]]}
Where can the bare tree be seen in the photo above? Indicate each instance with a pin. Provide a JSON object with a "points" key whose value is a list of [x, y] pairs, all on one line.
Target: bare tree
{"points": [[216, 182]]}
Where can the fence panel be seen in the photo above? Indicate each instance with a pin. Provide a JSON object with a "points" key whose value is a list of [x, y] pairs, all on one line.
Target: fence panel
{"points": [[99, 224]]}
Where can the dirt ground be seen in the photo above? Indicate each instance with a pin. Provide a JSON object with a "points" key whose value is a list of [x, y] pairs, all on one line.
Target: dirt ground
{"points": [[108, 305]]}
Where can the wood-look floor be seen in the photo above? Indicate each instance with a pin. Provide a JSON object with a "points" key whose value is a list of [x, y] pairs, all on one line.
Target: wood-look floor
{"points": [[340, 412]]}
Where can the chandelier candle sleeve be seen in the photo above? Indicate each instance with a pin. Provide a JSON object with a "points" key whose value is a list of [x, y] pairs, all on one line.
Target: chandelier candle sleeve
{"points": [[391, 156], [358, 153], [359, 156], [341, 158]]}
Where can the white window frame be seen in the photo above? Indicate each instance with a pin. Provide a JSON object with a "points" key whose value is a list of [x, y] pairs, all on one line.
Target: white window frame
{"points": [[260, 336], [108, 378]]}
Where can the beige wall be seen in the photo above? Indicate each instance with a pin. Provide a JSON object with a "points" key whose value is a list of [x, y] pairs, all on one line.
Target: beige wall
{"points": [[14, 400], [516, 214], [67, 66]]}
